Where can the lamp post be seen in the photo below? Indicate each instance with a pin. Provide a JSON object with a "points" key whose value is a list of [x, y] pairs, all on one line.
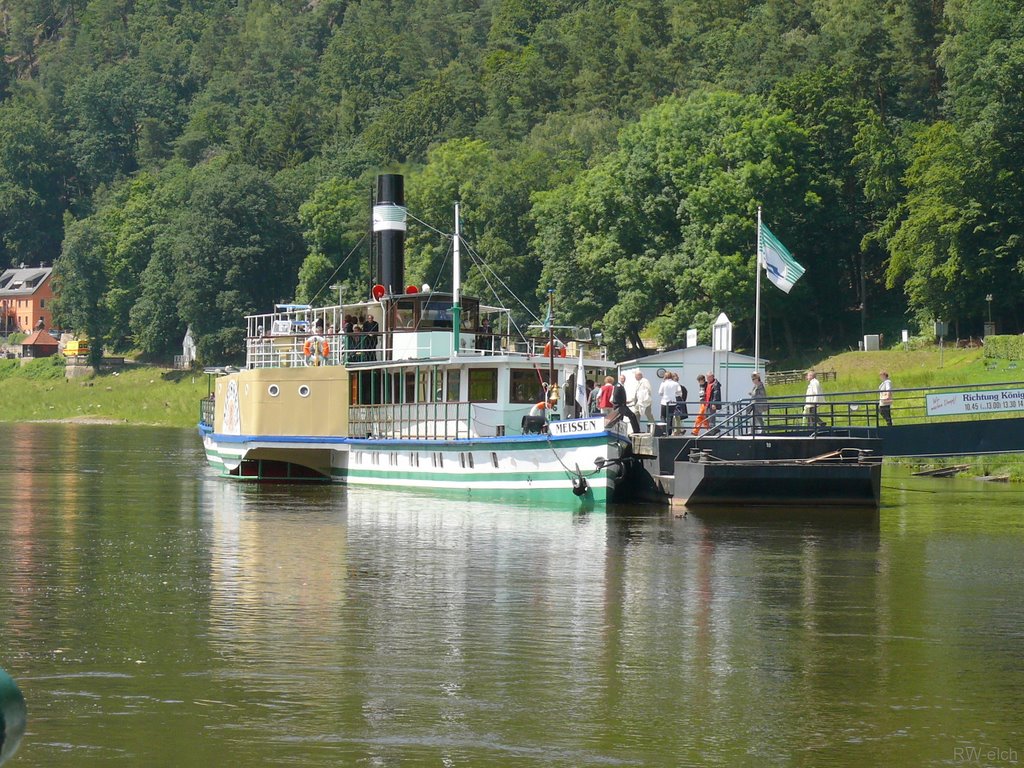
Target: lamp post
{"points": [[988, 298], [990, 328]]}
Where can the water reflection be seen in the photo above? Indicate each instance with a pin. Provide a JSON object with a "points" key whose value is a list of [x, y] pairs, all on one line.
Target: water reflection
{"points": [[318, 626]]}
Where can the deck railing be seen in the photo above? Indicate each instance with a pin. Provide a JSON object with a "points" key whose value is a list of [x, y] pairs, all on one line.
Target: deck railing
{"points": [[425, 421], [357, 349], [207, 410]]}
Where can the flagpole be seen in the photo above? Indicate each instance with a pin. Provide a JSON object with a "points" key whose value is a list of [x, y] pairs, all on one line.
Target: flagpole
{"points": [[757, 301], [551, 351]]}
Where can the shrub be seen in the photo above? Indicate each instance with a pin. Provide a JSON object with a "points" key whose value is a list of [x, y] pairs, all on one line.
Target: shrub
{"points": [[1005, 347]]}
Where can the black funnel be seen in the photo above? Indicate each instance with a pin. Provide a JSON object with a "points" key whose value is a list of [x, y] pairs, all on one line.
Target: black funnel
{"points": [[389, 230]]}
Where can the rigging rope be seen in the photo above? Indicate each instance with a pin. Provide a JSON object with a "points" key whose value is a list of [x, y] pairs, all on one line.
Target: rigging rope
{"points": [[337, 269]]}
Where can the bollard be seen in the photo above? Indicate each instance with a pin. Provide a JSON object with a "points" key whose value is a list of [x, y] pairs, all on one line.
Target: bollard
{"points": [[12, 716]]}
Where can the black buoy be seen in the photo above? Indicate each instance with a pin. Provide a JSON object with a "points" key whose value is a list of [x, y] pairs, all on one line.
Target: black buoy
{"points": [[12, 716], [580, 486]]}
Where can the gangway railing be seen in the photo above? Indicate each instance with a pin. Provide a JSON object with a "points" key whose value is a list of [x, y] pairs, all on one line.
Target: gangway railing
{"points": [[860, 409]]}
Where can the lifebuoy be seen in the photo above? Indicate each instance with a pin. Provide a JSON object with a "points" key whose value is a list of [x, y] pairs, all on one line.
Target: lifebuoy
{"points": [[559, 350], [315, 350]]}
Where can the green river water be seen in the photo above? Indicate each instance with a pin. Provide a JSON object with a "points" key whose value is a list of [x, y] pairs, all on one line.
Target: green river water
{"points": [[154, 614]]}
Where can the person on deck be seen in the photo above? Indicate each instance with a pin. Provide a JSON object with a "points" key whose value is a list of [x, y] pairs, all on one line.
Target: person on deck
{"points": [[540, 408], [604, 397], [371, 331], [622, 411], [592, 393]]}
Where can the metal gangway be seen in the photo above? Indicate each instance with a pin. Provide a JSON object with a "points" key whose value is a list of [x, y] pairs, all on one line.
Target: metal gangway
{"points": [[926, 421]]}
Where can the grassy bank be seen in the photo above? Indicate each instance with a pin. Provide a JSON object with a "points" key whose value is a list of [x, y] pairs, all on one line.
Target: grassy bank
{"points": [[858, 372], [143, 395]]}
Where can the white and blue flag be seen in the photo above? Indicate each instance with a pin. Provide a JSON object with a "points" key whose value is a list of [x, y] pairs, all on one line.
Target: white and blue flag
{"points": [[783, 270]]}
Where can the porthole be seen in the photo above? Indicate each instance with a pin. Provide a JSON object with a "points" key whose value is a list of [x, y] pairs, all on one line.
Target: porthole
{"points": [[304, 391], [273, 390]]}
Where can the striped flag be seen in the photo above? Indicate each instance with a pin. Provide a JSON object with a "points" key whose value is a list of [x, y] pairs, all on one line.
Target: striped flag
{"points": [[782, 269]]}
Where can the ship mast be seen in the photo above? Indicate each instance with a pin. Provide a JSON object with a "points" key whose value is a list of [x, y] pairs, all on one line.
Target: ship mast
{"points": [[456, 286]]}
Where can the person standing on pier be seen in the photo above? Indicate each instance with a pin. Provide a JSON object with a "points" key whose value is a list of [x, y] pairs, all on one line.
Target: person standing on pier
{"points": [[714, 400], [701, 421], [643, 397], [759, 404], [680, 411], [812, 399], [885, 398], [667, 393]]}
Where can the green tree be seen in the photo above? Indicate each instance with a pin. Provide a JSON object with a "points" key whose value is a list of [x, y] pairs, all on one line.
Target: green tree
{"points": [[80, 280], [235, 254], [32, 172], [934, 253], [335, 221]]}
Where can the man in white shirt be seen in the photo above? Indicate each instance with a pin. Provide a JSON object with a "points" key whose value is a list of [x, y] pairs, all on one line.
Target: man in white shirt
{"points": [[812, 399], [885, 398], [643, 398], [669, 390]]}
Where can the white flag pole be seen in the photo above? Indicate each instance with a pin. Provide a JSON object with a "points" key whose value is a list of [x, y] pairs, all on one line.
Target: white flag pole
{"points": [[757, 301]]}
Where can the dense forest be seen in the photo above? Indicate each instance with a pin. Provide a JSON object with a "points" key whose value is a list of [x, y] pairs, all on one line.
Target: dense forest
{"points": [[188, 161]]}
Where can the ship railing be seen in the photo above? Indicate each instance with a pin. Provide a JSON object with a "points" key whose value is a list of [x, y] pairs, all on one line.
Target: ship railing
{"points": [[207, 411], [291, 350], [412, 421]]}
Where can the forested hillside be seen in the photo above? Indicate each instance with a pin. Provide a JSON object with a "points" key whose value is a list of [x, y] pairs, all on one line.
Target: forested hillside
{"points": [[187, 161]]}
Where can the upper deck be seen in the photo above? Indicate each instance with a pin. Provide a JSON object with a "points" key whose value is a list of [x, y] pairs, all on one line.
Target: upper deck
{"points": [[412, 328]]}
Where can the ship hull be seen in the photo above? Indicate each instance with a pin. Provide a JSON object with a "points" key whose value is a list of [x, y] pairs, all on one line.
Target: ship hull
{"points": [[526, 467]]}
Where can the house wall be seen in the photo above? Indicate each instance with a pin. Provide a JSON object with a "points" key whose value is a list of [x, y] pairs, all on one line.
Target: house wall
{"points": [[22, 313]]}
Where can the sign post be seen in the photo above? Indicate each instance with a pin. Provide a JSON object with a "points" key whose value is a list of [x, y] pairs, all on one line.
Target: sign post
{"points": [[721, 341], [940, 334]]}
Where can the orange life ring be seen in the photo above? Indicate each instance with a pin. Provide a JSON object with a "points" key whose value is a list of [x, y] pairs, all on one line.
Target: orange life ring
{"points": [[315, 350], [559, 350]]}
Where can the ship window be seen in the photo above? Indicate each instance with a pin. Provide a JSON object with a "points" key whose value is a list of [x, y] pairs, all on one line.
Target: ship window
{"points": [[410, 386], [436, 313], [483, 385], [469, 458], [414, 459], [494, 459], [304, 391], [404, 314], [525, 386], [454, 385], [273, 390]]}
